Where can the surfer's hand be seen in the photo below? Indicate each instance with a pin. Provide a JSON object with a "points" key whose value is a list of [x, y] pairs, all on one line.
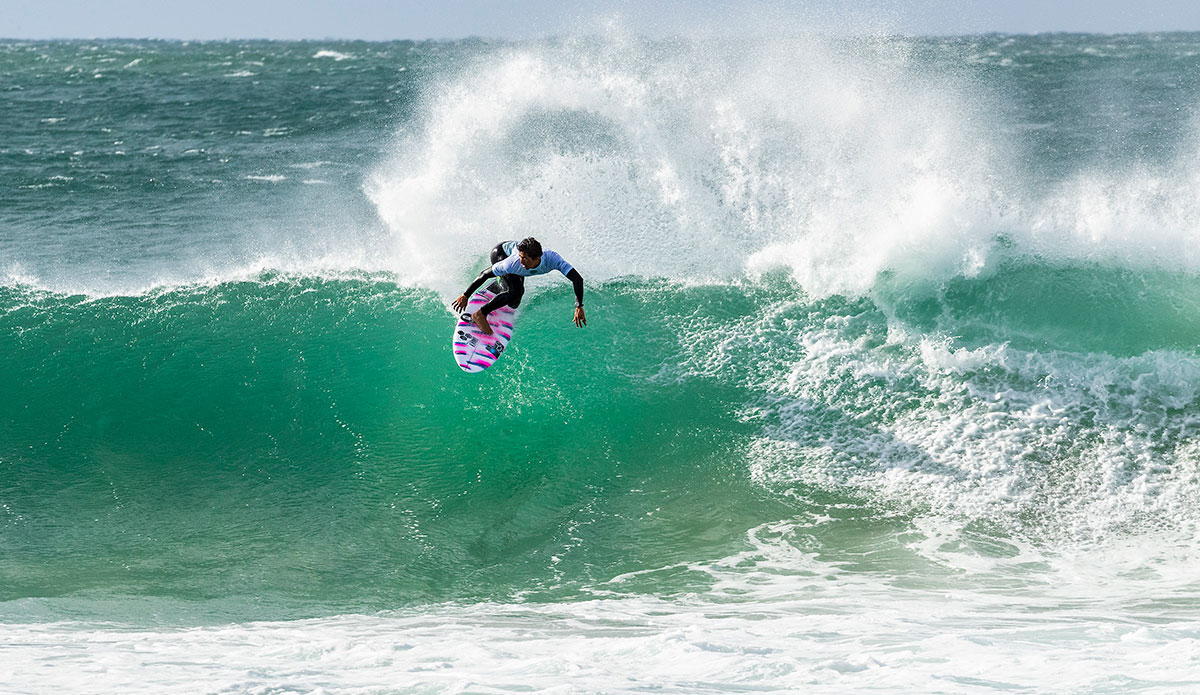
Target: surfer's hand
{"points": [[460, 303], [580, 319]]}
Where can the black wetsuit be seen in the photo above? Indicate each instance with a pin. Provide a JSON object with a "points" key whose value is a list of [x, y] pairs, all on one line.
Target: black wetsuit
{"points": [[512, 287]]}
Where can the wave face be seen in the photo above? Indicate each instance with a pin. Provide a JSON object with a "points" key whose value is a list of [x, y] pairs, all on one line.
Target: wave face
{"points": [[259, 438], [872, 322]]}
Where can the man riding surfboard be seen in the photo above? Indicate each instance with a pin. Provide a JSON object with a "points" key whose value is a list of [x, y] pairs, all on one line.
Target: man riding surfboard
{"points": [[512, 262]]}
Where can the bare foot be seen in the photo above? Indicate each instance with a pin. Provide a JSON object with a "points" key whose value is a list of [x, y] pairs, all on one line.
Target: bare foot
{"points": [[482, 322]]}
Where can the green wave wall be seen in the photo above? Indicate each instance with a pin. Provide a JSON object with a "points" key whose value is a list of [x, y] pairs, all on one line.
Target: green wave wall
{"points": [[311, 441]]}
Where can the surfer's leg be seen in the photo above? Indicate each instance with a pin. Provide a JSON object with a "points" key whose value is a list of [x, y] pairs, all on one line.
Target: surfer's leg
{"points": [[480, 320], [514, 289], [497, 286], [503, 288]]}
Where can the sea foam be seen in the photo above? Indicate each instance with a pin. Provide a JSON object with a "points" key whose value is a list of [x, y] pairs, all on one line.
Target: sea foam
{"points": [[840, 161]]}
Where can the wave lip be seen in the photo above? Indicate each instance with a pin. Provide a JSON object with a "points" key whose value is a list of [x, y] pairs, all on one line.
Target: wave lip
{"points": [[842, 161], [685, 160]]}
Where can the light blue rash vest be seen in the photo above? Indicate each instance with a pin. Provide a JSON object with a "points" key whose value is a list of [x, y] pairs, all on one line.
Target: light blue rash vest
{"points": [[512, 264]]}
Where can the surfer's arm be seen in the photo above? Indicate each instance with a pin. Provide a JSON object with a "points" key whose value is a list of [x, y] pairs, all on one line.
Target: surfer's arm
{"points": [[577, 280], [461, 302], [478, 282]]}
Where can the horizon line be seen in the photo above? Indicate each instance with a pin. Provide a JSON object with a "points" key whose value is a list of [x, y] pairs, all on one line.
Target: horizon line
{"points": [[557, 36]]}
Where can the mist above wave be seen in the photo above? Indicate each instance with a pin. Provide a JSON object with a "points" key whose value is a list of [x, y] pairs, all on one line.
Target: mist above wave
{"points": [[835, 159]]}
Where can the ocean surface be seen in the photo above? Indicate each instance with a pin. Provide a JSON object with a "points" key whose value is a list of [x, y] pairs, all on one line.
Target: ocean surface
{"points": [[890, 381]]}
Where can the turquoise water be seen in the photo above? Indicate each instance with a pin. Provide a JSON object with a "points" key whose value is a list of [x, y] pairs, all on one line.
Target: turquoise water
{"points": [[271, 439], [890, 381]]}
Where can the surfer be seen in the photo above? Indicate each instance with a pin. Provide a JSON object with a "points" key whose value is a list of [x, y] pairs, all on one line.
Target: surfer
{"points": [[512, 262]]}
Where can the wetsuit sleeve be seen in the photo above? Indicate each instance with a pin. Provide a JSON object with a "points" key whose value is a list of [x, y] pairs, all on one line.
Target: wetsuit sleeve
{"points": [[576, 280], [483, 277]]}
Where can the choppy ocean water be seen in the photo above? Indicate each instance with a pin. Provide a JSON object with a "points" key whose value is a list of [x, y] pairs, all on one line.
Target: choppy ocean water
{"points": [[890, 382]]}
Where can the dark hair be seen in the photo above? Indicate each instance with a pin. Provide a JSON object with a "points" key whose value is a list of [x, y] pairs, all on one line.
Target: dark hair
{"points": [[530, 247]]}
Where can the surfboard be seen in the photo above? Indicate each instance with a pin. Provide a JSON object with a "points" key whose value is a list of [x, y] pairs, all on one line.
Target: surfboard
{"points": [[474, 350]]}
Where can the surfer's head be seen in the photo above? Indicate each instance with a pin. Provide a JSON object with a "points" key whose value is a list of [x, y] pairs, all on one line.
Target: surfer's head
{"points": [[530, 251]]}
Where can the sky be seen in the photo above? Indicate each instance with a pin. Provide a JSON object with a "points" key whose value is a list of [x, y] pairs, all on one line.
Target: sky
{"points": [[443, 19]]}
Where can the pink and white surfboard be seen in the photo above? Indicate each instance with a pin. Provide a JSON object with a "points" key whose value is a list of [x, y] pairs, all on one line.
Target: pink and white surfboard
{"points": [[474, 350]]}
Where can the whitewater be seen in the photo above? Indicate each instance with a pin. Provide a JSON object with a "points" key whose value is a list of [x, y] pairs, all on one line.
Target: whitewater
{"points": [[890, 382]]}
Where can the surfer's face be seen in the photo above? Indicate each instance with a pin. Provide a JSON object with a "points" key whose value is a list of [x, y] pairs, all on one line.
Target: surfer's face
{"points": [[529, 262]]}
